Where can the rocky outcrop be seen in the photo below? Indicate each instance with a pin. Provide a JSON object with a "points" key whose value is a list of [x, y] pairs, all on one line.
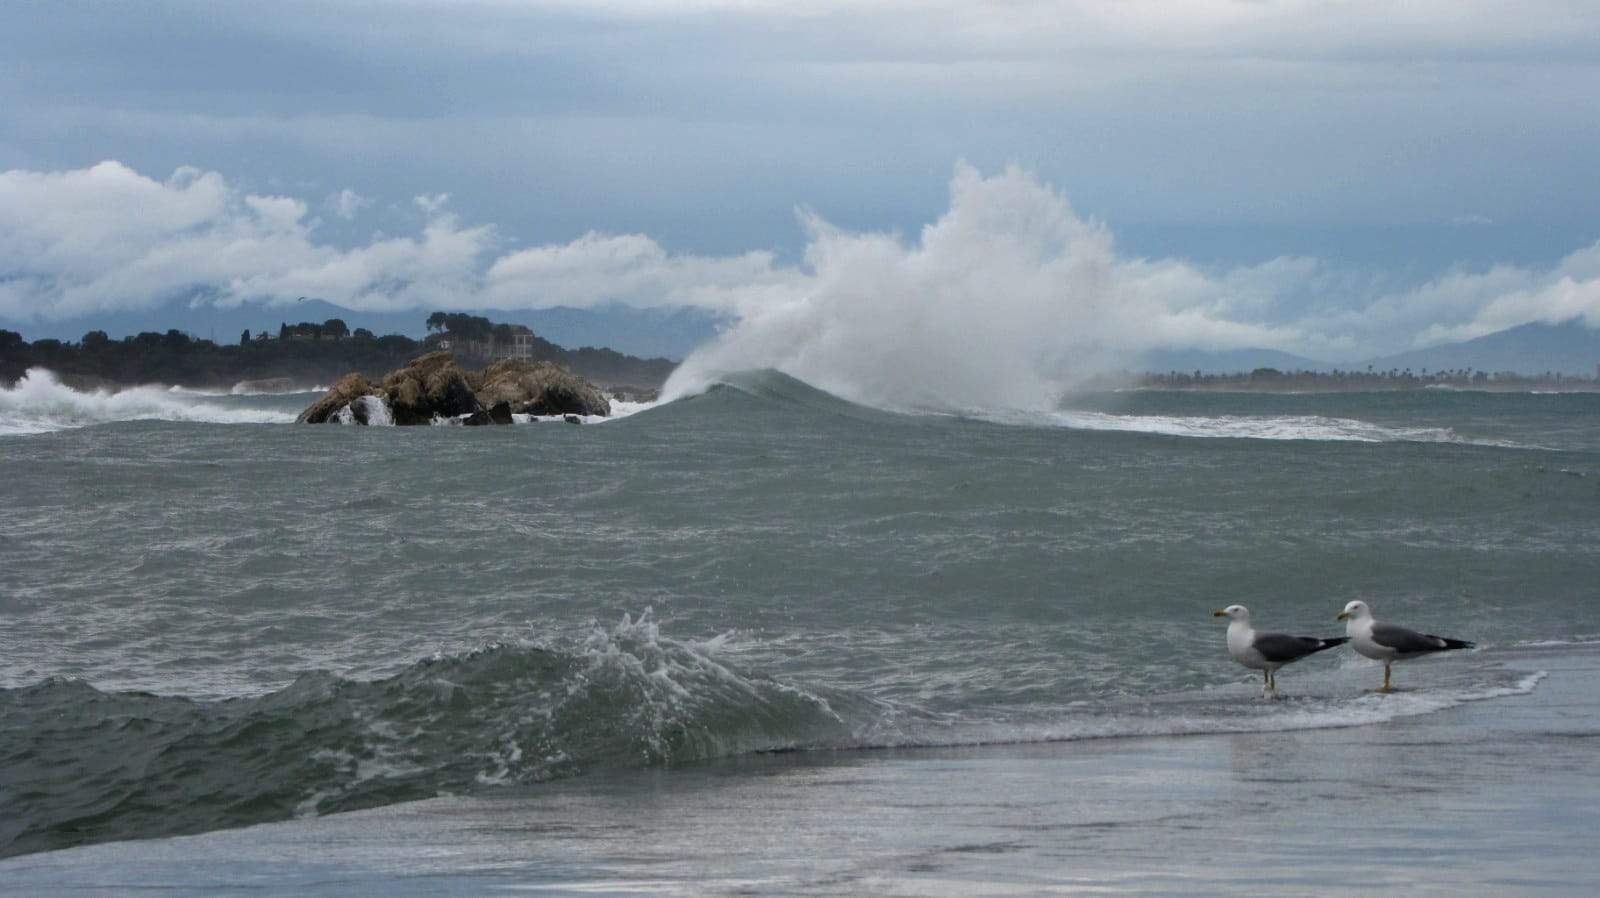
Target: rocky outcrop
{"points": [[349, 388], [433, 387], [538, 388], [430, 386]]}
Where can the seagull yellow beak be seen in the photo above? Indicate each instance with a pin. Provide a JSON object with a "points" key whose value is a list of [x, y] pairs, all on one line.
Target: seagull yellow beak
{"points": [[1343, 615], [1219, 614]]}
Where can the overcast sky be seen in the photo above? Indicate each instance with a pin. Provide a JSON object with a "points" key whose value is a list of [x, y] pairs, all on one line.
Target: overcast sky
{"points": [[1336, 179]]}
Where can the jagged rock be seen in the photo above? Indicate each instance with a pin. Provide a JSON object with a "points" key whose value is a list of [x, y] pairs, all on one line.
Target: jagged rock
{"points": [[430, 386], [538, 388], [349, 388], [572, 419]]}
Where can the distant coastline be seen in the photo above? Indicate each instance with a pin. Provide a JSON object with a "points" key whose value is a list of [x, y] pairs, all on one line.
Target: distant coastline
{"points": [[305, 355], [1272, 380]]}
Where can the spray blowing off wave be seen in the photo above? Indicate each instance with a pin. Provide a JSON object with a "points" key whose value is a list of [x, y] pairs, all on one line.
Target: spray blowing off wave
{"points": [[1004, 302], [40, 402]]}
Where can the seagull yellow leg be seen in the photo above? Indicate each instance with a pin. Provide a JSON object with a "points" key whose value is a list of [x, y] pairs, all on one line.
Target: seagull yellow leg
{"points": [[1385, 680]]}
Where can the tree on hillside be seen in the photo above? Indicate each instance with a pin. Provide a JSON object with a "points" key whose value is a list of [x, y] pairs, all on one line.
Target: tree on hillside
{"points": [[244, 338], [468, 327], [95, 340], [336, 327], [436, 321]]}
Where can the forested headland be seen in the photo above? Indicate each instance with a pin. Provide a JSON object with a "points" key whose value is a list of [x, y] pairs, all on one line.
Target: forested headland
{"points": [[305, 354]]}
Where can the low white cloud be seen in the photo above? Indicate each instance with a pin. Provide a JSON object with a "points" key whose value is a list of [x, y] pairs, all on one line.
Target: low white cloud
{"points": [[632, 268], [106, 238], [1507, 296]]}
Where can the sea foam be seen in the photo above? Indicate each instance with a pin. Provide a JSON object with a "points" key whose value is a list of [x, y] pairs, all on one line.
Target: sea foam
{"points": [[40, 402], [1259, 427]]}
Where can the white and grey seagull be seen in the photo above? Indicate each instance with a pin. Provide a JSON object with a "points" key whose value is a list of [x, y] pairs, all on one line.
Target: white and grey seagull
{"points": [[1389, 643], [1267, 652]]}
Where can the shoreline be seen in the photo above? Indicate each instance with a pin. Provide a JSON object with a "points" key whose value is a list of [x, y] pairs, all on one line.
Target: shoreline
{"points": [[1470, 798]]}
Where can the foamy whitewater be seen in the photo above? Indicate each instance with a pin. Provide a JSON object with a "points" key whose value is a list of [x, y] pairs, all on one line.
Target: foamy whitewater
{"points": [[39, 402]]}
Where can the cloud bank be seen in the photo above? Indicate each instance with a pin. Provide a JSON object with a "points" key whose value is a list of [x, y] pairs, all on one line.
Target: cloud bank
{"points": [[1009, 278]]}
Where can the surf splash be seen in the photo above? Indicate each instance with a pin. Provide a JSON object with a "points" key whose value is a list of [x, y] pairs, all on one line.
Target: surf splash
{"points": [[1003, 302], [373, 412], [40, 402]]}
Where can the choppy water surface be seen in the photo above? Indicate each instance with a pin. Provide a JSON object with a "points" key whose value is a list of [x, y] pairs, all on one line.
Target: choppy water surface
{"points": [[213, 618]]}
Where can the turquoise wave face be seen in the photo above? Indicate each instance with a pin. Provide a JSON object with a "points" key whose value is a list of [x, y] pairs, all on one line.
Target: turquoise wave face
{"points": [[210, 624]]}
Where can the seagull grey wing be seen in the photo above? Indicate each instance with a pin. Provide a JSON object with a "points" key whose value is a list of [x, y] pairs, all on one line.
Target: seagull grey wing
{"points": [[1281, 648], [1406, 642]]}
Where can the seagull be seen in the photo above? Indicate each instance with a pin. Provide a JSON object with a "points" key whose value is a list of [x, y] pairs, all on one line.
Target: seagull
{"points": [[1267, 652], [1389, 643]]}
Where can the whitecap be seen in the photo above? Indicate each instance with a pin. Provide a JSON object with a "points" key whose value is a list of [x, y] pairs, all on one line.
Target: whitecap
{"points": [[40, 403], [1248, 427]]}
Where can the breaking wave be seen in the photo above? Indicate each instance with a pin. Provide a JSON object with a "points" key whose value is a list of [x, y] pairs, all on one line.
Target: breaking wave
{"points": [[40, 402], [778, 390], [90, 766]]}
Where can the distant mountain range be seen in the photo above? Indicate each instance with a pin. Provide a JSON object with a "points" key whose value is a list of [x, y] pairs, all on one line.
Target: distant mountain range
{"points": [[1529, 349], [1568, 348]]}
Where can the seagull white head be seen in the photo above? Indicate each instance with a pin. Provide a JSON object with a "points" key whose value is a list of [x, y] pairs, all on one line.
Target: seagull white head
{"points": [[1236, 612], [1355, 611]]}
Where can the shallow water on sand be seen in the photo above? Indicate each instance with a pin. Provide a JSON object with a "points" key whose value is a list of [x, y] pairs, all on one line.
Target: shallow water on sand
{"points": [[1479, 799]]}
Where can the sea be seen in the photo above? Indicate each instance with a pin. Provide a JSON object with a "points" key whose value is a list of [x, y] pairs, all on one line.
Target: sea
{"points": [[759, 639]]}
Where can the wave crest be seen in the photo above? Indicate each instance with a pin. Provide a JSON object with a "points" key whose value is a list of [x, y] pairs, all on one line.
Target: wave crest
{"points": [[775, 389], [104, 766]]}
